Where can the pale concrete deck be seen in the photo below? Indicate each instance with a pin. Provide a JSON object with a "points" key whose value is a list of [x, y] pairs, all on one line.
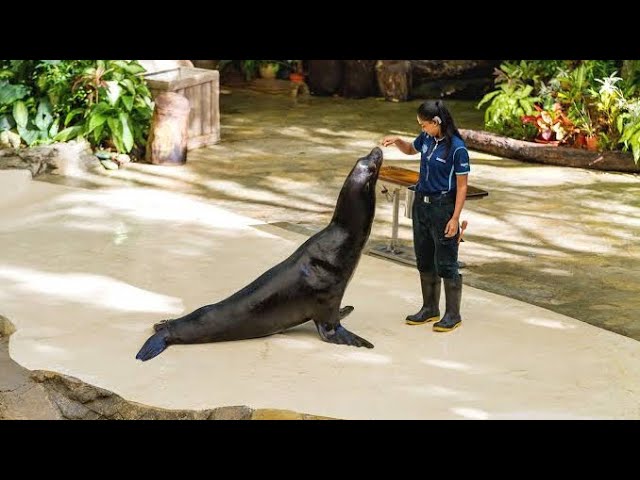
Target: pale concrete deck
{"points": [[560, 238], [85, 273]]}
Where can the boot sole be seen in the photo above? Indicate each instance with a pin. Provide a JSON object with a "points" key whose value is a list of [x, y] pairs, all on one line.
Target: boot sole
{"points": [[444, 329], [428, 320]]}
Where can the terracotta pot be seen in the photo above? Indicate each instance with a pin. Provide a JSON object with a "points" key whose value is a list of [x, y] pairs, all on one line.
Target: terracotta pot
{"points": [[268, 70], [296, 77], [592, 142]]}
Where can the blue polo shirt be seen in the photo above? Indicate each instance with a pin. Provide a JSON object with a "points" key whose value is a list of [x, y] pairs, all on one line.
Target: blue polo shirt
{"points": [[437, 172]]}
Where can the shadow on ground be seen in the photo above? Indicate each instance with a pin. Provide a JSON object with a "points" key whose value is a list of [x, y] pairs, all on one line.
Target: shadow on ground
{"points": [[556, 237]]}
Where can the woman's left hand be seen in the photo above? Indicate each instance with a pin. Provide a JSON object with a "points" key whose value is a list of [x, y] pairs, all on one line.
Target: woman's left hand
{"points": [[451, 230]]}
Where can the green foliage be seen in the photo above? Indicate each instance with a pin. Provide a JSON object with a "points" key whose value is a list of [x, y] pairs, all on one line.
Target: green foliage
{"points": [[630, 72], [250, 68], [10, 93], [529, 72], [31, 118], [609, 102], [119, 105], [628, 124], [507, 106], [106, 101], [587, 96]]}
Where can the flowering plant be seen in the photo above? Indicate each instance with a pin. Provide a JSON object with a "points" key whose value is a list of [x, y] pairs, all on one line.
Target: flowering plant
{"points": [[553, 125]]}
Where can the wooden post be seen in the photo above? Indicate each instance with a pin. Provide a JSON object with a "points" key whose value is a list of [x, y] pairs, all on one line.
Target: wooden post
{"points": [[394, 79], [168, 136], [201, 88]]}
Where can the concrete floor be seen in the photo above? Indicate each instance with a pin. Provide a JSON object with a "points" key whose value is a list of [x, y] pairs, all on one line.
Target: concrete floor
{"points": [[151, 242], [556, 237], [85, 274]]}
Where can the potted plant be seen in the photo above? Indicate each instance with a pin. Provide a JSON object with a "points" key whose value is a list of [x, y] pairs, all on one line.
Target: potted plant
{"points": [[587, 135], [261, 68], [268, 68], [553, 125], [297, 74]]}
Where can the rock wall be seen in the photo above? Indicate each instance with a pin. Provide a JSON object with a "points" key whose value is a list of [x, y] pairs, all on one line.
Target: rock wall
{"points": [[467, 79]]}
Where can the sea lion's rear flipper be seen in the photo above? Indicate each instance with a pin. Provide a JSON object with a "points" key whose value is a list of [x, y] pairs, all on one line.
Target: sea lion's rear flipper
{"points": [[338, 334], [154, 345], [344, 311]]}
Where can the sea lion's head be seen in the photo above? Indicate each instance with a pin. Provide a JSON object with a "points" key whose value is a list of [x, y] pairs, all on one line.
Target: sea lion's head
{"points": [[357, 198], [365, 172]]}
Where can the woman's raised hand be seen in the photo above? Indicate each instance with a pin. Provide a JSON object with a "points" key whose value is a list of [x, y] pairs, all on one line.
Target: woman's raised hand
{"points": [[389, 140]]}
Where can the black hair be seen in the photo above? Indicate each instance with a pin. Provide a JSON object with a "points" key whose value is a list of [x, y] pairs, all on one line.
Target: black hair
{"points": [[432, 108]]}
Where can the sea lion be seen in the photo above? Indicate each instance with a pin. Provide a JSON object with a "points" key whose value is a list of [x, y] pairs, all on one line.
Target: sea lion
{"points": [[309, 285]]}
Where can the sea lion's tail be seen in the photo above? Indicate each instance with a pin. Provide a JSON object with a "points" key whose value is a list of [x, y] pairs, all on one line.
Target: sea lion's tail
{"points": [[154, 346]]}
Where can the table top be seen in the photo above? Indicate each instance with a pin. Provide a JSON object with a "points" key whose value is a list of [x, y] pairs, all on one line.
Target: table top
{"points": [[406, 178]]}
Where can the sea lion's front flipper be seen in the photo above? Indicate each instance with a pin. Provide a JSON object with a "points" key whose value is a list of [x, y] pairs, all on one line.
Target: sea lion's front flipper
{"points": [[333, 333]]}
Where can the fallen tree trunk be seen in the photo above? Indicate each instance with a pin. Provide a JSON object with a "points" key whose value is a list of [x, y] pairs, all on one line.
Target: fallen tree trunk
{"points": [[549, 154]]}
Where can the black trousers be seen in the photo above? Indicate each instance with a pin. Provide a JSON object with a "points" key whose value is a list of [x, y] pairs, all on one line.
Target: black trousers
{"points": [[434, 251]]}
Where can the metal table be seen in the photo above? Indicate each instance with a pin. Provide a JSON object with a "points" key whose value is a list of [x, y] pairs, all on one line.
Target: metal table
{"points": [[400, 178]]}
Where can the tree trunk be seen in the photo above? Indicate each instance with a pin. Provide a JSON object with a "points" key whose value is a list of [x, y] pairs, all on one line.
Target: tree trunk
{"points": [[169, 132], [325, 76], [552, 155], [359, 79], [394, 79]]}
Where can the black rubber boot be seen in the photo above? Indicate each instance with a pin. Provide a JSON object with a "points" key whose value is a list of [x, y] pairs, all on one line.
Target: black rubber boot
{"points": [[430, 311], [453, 296]]}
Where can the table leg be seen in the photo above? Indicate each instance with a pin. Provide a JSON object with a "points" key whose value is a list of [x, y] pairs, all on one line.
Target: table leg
{"points": [[394, 224]]}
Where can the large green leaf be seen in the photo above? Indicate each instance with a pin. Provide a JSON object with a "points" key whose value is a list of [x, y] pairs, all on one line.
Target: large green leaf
{"points": [[128, 84], [630, 131], [53, 131], [6, 122], [20, 114], [113, 91], [10, 93], [97, 133], [127, 100], [134, 68], [488, 97], [100, 107], [95, 120], [72, 114], [43, 115], [29, 136], [119, 63], [116, 133], [68, 134], [127, 136]]}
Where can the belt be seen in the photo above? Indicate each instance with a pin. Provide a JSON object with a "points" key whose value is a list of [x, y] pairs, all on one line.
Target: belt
{"points": [[439, 198]]}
